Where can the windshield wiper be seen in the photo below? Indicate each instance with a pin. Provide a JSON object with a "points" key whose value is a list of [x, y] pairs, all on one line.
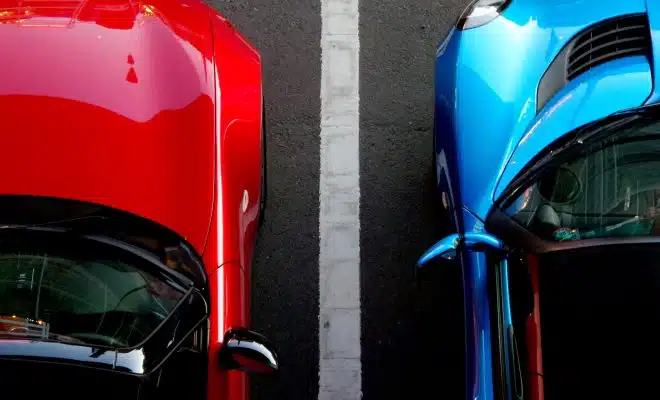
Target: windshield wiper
{"points": [[62, 223], [564, 148]]}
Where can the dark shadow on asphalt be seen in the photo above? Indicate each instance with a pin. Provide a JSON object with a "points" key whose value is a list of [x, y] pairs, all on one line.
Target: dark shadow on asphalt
{"points": [[412, 335], [285, 290]]}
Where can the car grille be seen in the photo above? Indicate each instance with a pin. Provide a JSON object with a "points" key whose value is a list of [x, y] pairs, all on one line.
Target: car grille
{"points": [[622, 37]]}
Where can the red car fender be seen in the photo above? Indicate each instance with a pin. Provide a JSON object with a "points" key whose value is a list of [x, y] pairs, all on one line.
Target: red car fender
{"points": [[234, 225], [228, 290], [239, 100], [533, 339]]}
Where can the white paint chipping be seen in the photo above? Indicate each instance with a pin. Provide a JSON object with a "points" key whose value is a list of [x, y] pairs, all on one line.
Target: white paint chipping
{"points": [[340, 370]]}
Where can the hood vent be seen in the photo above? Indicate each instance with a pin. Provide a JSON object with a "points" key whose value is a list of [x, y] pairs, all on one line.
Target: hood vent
{"points": [[612, 39]]}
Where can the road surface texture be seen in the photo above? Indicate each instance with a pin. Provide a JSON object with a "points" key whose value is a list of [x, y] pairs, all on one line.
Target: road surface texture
{"points": [[354, 218]]}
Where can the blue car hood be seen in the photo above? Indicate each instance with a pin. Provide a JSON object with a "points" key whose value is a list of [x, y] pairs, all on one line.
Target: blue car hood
{"points": [[497, 69]]}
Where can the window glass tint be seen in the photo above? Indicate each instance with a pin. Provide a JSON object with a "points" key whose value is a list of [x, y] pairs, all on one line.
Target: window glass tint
{"points": [[609, 188], [56, 287], [599, 315]]}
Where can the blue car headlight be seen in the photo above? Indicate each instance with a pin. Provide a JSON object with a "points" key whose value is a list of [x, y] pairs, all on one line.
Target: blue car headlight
{"points": [[481, 12]]}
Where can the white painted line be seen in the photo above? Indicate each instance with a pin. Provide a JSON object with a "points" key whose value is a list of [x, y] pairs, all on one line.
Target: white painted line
{"points": [[340, 370]]}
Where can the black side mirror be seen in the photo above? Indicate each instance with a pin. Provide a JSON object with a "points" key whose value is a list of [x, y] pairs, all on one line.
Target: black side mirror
{"points": [[248, 351]]}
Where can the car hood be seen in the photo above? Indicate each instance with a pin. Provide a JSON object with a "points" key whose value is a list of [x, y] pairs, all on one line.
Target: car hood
{"points": [[497, 68], [615, 87], [111, 102]]}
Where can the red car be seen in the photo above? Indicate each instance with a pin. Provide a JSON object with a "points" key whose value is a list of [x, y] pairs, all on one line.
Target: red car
{"points": [[133, 187]]}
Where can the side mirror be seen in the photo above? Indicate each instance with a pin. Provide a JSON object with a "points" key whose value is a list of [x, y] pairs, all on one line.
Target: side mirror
{"points": [[447, 247], [248, 351]]}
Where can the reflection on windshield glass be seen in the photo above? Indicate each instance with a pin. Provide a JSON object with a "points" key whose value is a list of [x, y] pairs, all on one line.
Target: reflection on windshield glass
{"points": [[79, 292], [611, 188]]}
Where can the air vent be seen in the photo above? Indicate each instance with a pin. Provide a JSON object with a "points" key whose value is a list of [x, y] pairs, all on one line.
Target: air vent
{"points": [[622, 37], [616, 38]]}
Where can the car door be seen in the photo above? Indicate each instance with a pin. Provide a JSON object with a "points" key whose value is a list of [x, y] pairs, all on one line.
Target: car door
{"points": [[572, 321], [488, 286], [582, 321], [515, 326]]}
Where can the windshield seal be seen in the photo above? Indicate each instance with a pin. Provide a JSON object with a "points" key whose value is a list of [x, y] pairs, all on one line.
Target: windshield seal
{"points": [[85, 218], [572, 146], [565, 147], [509, 231]]}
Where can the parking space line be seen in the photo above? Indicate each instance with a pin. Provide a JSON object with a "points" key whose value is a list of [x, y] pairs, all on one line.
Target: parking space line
{"points": [[340, 370]]}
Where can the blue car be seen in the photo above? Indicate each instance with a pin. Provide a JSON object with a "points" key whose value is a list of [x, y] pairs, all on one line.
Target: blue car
{"points": [[547, 163]]}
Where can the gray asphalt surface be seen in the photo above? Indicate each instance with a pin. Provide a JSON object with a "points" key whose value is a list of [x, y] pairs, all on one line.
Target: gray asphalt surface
{"points": [[411, 336]]}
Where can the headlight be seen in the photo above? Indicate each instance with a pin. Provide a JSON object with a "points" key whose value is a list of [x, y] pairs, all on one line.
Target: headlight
{"points": [[481, 12]]}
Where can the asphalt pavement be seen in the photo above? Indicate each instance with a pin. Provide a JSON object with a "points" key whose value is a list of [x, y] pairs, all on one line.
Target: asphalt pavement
{"points": [[411, 336]]}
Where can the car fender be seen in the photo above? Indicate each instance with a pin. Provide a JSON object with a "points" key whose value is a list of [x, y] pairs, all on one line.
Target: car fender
{"points": [[239, 103], [486, 82]]}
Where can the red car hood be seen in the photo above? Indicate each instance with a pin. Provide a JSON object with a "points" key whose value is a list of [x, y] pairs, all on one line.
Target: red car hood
{"points": [[110, 102]]}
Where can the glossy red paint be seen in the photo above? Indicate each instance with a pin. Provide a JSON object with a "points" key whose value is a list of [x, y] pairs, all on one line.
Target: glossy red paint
{"points": [[239, 158], [151, 107], [533, 339]]}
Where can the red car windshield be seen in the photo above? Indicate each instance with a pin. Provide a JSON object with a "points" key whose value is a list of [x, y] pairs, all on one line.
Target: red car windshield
{"points": [[59, 286], [598, 313]]}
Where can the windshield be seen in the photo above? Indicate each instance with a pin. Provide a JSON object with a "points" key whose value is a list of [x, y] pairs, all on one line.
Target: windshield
{"points": [[608, 186], [57, 286], [593, 330]]}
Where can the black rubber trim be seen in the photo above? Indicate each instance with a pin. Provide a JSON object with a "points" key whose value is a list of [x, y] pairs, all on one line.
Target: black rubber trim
{"points": [[554, 78], [509, 231]]}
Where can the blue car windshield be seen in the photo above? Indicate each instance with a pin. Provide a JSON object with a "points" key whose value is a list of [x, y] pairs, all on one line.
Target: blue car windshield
{"points": [[56, 286], [607, 187]]}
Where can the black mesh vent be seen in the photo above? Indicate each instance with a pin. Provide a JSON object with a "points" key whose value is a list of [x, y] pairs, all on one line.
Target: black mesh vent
{"points": [[622, 37]]}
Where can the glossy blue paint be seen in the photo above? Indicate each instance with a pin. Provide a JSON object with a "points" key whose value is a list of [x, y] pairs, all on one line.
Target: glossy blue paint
{"points": [[653, 99], [445, 248], [507, 320], [443, 123], [478, 362], [485, 87], [477, 322], [604, 90], [482, 239], [653, 10], [486, 126]]}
